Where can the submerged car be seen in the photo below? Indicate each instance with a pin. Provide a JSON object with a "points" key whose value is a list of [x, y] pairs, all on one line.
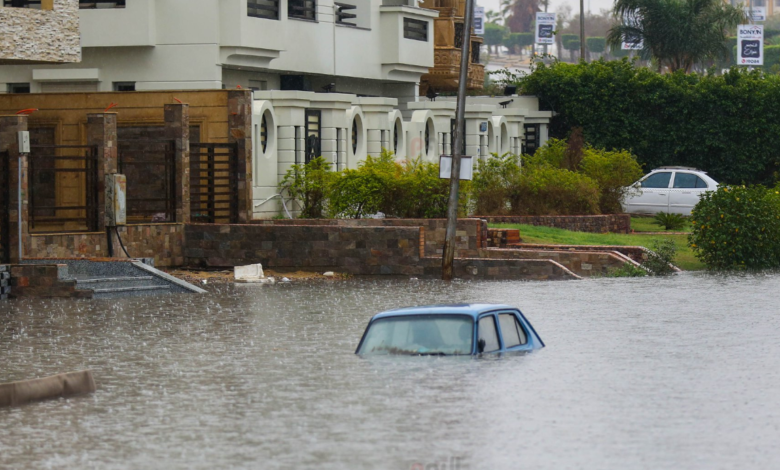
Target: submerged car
{"points": [[449, 330], [671, 189]]}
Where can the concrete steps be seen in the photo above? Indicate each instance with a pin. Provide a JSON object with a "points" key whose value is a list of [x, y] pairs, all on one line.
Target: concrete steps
{"points": [[106, 287]]}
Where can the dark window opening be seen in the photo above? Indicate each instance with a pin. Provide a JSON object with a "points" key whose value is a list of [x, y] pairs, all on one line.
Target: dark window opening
{"points": [[458, 35], [427, 138], [95, 4], [415, 29], [354, 136], [342, 17], [264, 133], [268, 9], [124, 86], [313, 140], [302, 9], [395, 138], [475, 52], [18, 88], [531, 138], [294, 83]]}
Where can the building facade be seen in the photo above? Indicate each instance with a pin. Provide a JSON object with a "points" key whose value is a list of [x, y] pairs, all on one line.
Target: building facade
{"points": [[366, 47], [46, 34]]}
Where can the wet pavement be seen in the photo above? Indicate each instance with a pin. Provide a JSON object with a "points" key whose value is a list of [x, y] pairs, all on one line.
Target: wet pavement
{"points": [[682, 372]]}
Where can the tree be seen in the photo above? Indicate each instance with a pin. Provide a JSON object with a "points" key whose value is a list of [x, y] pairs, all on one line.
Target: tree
{"points": [[495, 35], [523, 15], [678, 33], [493, 17]]}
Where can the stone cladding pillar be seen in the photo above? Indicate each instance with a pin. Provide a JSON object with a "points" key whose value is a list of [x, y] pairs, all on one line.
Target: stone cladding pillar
{"points": [[101, 132], [177, 128], [9, 142], [240, 132]]}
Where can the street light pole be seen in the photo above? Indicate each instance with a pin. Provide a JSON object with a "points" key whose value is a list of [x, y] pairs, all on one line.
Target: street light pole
{"points": [[448, 256]]}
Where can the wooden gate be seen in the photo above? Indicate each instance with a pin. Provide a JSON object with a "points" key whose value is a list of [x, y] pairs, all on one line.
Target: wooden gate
{"points": [[5, 208], [214, 183]]}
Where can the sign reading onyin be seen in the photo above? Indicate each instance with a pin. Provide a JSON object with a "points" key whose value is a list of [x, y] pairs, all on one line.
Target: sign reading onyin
{"points": [[750, 44], [545, 27]]}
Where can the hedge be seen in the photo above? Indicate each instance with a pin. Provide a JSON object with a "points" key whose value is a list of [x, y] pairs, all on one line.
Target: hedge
{"points": [[727, 125]]}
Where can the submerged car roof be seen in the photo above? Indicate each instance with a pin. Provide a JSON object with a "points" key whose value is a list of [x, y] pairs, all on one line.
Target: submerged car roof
{"points": [[473, 310]]}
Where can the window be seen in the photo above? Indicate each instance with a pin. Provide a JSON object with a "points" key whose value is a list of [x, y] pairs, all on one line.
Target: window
{"points": [[342, 16], [458, 35], [18, 88], [657, 180], [255, 85], [415, 29], [511, 330], [354, 136], [428, 138], [419, 335], [396, 133], [475, 52], [531, 138], [488, 339], [264, 132], [124, 86], [268, 9], [94, 4], [302, 9], [313, 127], [688, 180]]}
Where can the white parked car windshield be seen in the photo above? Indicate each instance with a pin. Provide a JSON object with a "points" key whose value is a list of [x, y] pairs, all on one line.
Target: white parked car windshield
{"points": [[420, 334]]}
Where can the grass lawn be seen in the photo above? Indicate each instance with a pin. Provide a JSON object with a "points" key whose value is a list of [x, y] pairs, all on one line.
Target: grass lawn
{"points": [[647, 224], [555, 236]]}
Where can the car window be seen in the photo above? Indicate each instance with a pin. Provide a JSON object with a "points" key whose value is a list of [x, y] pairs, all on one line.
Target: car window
{"points": [[487, 333], [511, 330], [688, 180], [657, 180], [419, 334]]}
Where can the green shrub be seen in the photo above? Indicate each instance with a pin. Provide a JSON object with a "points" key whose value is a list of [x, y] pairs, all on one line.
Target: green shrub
{"points": [[420, 193], [309, 185], [613, 172], [737, 228], [365, 190], [670, 221], [596, 44], [771, 56], [494, 179], [627, 270], [661, 257], [554, 191]]}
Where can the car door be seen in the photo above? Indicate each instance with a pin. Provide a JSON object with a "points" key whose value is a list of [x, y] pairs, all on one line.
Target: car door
{"points": [[685, 193], [487, 335], [652, 195], [513, 335]]}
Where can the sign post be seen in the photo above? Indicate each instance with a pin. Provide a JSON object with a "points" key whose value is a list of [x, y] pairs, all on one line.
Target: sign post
{"points": [[750, 44]]}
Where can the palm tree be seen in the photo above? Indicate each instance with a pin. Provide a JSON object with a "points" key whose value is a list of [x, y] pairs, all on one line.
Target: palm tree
{"points": [[492, 17], [523, 14], [678, 33]]}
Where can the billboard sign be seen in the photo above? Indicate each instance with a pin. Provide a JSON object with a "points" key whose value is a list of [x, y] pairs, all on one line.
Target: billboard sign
{"points": [[545, 26], [750, 44], [756, 13], [479, 21]]}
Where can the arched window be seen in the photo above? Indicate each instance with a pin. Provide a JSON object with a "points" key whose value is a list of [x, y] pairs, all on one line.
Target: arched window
{"points": [[264, 132], [354, 136]]}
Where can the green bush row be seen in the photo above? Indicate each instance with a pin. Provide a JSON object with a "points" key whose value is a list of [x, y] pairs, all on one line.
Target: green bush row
{"points": [[727, 125]]}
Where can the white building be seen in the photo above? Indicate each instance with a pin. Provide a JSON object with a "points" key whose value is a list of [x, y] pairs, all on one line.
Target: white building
{"points": [[258, 44]]}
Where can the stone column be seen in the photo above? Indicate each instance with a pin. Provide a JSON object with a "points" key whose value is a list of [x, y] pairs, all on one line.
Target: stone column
{"points": [[177, 128], [101, 132], [9, 128], [240, 132]]}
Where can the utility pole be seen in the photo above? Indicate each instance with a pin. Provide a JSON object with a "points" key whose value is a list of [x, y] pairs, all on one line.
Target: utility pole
{"points": [[582, 29], [448, 256]]}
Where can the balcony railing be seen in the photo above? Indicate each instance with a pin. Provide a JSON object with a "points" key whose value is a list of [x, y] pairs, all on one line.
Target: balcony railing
{"points": [[83, 4], [415, 29], [268, 9]]}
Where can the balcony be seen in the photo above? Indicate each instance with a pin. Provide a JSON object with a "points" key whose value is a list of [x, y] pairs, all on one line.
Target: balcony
{"points": [[407, 37]]}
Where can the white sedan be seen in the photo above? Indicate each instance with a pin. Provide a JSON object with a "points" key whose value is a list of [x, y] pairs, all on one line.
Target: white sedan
{"points": [[672, 189]]}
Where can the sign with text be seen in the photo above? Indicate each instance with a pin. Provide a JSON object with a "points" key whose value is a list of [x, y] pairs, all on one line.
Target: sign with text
{"points": [[545, 28], [466, 167], [479, 21], [750, 44], [756, 13], [632, 44]]}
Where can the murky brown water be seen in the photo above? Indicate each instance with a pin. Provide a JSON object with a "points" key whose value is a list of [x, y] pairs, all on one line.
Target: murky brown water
{"points": [[679, 373]]}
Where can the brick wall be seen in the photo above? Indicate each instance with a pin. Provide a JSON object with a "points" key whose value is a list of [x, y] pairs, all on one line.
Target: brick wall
{"points": [[44, 281], [471, 234], [163, 242], [357, 250], [614, 223], [582, 263]]}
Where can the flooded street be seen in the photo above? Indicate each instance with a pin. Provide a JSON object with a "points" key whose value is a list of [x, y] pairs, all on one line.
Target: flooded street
{"points": [[681, 373]]}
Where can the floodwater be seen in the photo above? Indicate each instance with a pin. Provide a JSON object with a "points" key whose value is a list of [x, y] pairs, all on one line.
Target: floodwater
{"points": [[676, 373]]}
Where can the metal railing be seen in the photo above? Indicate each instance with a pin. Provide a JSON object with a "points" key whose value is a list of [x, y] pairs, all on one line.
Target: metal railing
{"points": [[150, 168], [213, 183], [268, 9], [63, 188]]}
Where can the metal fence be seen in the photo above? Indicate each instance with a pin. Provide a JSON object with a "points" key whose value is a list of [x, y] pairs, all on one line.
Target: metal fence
{"points": [[63, 188], [214, 183], [150, 168]]}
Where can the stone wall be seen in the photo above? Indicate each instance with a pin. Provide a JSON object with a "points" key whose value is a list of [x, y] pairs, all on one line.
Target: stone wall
{"points": [[44, 281], [5, 287], [356, 250], [471, 234], [40, 35], [610, 223], [582, 263], [163, 242]]}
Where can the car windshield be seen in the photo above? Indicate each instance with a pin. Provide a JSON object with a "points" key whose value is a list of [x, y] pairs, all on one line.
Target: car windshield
{"points": [[420, 335]]}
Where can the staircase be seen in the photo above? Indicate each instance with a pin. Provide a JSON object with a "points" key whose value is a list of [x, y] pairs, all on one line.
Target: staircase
{"points": [[119, 278]]}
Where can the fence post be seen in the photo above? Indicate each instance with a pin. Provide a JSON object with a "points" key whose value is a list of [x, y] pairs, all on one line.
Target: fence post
{"points": [[177, 128], [9, 128], [240, 132], [101, 132]]}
